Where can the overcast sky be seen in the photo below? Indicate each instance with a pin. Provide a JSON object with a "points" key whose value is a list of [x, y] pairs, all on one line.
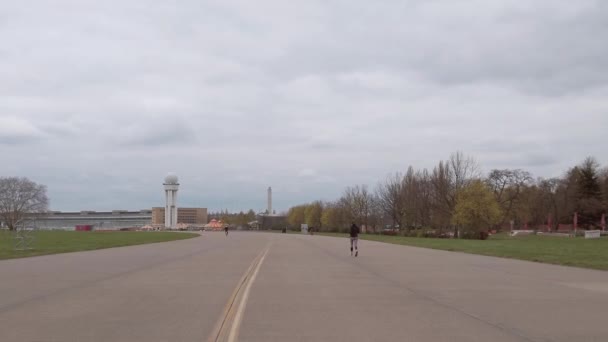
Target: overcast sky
{"points": [[100, 99]]}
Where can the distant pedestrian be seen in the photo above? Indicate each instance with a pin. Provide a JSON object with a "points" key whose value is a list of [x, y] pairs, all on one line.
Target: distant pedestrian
{"points": [[226, 230], [354, 239]]}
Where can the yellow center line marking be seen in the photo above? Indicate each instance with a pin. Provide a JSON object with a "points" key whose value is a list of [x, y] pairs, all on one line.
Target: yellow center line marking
{"points": [[234, 331], [227, 327]]}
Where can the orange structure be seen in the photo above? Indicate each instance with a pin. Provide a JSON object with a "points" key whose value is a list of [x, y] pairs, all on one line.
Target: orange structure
{"points": [[215, 225]]}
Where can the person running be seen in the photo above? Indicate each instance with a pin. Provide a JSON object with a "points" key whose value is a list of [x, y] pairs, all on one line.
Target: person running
{"points": [[354, 238], [226, 230]]}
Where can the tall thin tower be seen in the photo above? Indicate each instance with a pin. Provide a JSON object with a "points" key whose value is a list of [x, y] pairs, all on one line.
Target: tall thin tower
{"points": [[269, 201], [171, 186]]}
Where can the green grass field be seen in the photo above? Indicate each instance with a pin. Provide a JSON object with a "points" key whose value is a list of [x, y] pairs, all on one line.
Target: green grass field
{"points": [[579, 252], [51, 242]]}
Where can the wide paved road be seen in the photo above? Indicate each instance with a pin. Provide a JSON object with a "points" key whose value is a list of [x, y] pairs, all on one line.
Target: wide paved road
{"points": [[274, 287]]}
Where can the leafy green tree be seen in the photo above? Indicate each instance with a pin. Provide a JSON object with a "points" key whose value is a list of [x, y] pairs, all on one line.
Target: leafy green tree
{"points": [[604, 184], [225, 218], [250, 215], [313, 213], [476, 208], [328, 218], [296, 215], [447, 180], [240, 219], [334, 217]]}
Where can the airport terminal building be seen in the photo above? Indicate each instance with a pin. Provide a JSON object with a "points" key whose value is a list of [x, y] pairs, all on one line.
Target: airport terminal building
{"points": [[117, 219], [100, 220]]}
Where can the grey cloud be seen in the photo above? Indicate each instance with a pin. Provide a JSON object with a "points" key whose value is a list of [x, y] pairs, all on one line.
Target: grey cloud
{"points": [[14, 139], [549, 48], [241, 95], [166, 131], [506, 145], [323, 145], [535, 160], [59, 129], [527, 159], [14, 130]]}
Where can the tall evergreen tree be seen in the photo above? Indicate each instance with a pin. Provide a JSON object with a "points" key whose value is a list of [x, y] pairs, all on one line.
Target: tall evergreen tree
{"points": [[589, 193]]}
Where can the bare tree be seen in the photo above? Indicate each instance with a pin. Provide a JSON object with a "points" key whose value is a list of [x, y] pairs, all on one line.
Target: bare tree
{"points": [[548, 189], [20, 197], [443, 195], [507, 186], [391, 198], [463, 168], [447, 180], [375, 217], [425, 198], [357, 201], [567, 194], [413, 196]]}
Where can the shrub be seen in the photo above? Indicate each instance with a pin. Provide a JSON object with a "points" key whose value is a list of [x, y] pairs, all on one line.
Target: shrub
{"points": [[430, 234], [474, 235]]}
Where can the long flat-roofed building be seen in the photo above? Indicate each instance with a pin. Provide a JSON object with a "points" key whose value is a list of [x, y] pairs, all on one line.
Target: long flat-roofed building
{"points": [[114, 219]]}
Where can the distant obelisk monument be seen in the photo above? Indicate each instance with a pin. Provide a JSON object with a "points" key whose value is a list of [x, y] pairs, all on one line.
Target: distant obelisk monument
{"points": [[171, 186], [269, 201]]}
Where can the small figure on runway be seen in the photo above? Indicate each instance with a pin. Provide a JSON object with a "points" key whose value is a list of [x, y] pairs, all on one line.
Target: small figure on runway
{"points": [[226, 230], [354, 239]]}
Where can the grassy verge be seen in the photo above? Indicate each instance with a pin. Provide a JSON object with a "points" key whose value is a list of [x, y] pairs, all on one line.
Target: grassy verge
{"points": [[52, 242], [579, 252]]}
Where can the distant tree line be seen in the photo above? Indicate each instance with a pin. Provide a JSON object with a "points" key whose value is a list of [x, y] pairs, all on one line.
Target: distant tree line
{"points": [[455, 199], [250, 220], [234, 219]]}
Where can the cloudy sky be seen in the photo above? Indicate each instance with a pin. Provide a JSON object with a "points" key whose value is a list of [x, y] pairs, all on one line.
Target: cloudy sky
{"points": [[100, 99]]}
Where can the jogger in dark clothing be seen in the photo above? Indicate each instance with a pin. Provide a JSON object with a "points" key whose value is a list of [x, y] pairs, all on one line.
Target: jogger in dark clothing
{"points": [[226, 229], [354, 238]]}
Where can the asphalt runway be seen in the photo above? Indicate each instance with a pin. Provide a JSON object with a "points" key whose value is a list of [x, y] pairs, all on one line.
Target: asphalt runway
{"points": [[285, 287]]}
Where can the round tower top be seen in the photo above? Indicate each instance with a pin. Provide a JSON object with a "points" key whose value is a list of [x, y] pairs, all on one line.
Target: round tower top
{"points": [[171, 179]]}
